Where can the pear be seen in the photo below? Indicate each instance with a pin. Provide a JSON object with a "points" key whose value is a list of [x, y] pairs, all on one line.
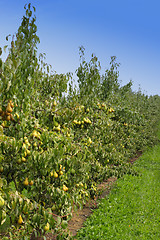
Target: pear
{"points": [[35, 144], [24, 146], [60, 172], [17, 115], [19, 161], [9, 108], [8, 118], [1, 111], [34, 134], [46, 228], [3, 114], [58, 128], [7, 113], [89, 140], [1, 202], [31, 183], [11, 103], [55, 175], [11, 116], [20, 220], [26, 182], [54, 103], [28, 152], [65, 188], [23, 159]]}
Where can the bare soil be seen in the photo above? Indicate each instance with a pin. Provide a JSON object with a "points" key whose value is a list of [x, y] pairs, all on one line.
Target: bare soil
{"points": [[80, 216]]}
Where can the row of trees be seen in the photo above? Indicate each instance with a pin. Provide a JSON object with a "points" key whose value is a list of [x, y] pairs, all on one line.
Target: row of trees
{"points": [[57, 142]]}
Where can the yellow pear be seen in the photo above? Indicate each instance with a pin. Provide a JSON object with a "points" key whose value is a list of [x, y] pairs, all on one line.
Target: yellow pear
{"points": [[55, 175], [26, 182], [8, 118], [1, 202], [54, 103], [34, 134], [60, 172], [24, 146], [46, 228], [65, 188], [9, 108], [58, 128], [17, 115], [20, 220], [35, 144], [23, 159], [11, 103], [28, 152]]}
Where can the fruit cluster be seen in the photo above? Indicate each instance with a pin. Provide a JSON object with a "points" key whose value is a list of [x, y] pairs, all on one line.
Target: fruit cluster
{"points": [[7, 113]]}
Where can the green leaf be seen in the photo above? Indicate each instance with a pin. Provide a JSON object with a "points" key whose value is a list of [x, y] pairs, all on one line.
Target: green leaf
{"points": [[12, 186], [64, 224], [3, 221], [25, 193], [1, 183], [58, 220], [5, 47], [8, 37]]}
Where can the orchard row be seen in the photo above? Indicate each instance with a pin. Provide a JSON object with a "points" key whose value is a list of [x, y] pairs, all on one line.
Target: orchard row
{"points": [[57, 141]]}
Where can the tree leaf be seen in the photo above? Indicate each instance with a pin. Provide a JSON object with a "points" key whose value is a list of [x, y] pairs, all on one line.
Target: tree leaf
{"points": [[58, 220]]}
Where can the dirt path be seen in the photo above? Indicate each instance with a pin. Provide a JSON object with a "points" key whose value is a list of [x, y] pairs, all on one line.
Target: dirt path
{"points": [[80, 216]]}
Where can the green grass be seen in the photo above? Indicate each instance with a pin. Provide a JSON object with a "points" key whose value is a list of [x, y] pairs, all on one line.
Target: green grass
{"points": [[132, 209]]}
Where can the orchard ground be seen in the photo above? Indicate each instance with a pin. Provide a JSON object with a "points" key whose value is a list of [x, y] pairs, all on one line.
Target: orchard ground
{"points": [[131, 211]]}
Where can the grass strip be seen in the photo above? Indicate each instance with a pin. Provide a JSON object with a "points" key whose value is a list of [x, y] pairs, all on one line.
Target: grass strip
{"points": [[132, 209]]}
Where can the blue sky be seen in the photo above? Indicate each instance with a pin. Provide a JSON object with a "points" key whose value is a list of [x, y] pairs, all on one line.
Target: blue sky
{"points": [[127, 29]]}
